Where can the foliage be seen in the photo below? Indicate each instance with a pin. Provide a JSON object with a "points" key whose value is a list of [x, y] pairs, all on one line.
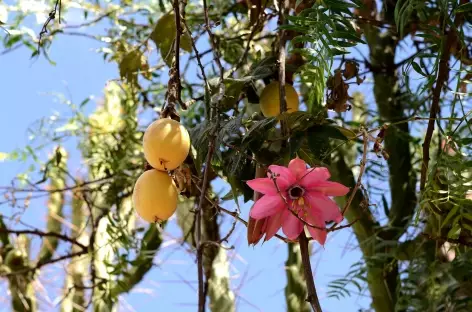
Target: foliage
{"points": [[411, 215]]}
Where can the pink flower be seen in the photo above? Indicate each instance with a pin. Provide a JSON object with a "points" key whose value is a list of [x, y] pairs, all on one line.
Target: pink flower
{"points": [[299, 192]]}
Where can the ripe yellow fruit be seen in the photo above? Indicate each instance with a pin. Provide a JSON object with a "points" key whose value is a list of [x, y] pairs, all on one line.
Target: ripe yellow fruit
{"points": [[166, 144], [155, 196], [270, 99]]}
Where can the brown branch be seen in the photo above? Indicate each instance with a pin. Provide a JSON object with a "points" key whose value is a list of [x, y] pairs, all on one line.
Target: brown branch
{"points": [[251, 36], [92, 22], [51, 17], [303, 241], [206, 171], [213, 43], [310, 282], [198, 56], [443, 76], [70, 188], [51, 261], [43, 234], [174, 89]]}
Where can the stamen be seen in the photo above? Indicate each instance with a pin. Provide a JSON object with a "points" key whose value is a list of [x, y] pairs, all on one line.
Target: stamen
{"points": [[301, 201]]}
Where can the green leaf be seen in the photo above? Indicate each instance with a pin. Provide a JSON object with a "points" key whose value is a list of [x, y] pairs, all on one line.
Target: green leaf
{"points": [[263, 69], [455, 231], [233, 90], [319, 147], [12, 40], [466, 7], [418, 69], [348, 36], [385, 205], [164, 34], [133, 63], [450, 215], [258, 128], [298, 121], [464, 141], [330, 131]]}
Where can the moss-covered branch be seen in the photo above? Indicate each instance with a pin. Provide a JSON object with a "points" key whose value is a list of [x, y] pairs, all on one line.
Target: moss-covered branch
{"points": [[74, 300], [365, 229], [391, 106], [150, 244], [57, 176], [23, 297]]}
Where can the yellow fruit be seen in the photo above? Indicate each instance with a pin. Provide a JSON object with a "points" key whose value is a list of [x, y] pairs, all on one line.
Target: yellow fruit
{"points": [[270, 99], [166, 144], [155, 196]]}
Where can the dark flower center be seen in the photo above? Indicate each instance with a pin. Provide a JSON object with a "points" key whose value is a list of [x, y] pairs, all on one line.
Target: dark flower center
{"points": [[296, 192]]}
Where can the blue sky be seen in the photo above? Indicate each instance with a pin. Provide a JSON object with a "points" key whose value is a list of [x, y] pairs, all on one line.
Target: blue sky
{"points": [[27, 93]]}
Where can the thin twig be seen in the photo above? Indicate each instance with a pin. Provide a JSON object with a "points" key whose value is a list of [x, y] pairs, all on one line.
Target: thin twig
{"points": [[51, 261], [236, 216], [361, 172], [69, 188], [198, 56], [251, 36], [92, 22], [51, 17], [44, 234]]}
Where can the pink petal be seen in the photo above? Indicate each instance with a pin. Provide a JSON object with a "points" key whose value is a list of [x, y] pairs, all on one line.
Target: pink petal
{"points": [[291, 226], [298, 167], [273, 225], [263, 185], [330, 188], [255, 230], [323, 208], [317, 234], [267, 205], [284, 178], [314, 175]]}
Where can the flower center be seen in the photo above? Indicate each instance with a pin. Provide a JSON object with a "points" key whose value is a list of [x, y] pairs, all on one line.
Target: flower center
{"points": [[296, 192]]}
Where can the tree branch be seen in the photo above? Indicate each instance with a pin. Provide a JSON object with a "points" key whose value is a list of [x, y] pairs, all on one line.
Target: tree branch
{"points": [[43, 234], [214, 114], [443, 76], [310, 282], [151, 242]]}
